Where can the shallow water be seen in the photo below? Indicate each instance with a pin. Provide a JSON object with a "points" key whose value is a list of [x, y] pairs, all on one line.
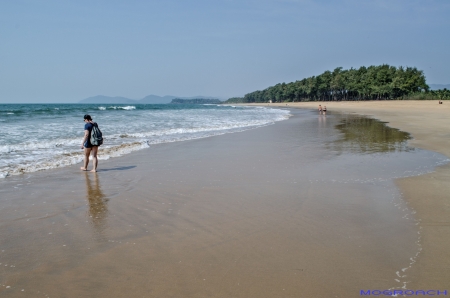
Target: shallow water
{"points": [[367, 135]]}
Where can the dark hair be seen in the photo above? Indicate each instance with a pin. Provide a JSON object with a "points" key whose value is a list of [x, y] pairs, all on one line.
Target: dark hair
{"points": [[87, 117]]}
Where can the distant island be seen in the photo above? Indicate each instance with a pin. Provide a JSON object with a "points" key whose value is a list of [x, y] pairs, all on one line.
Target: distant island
{"points": [[149, 99], [383, 82], [196, 101]]}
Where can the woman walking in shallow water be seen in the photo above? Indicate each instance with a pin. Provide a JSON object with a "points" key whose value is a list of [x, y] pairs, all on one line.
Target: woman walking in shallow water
{"points": [[87, 146]]}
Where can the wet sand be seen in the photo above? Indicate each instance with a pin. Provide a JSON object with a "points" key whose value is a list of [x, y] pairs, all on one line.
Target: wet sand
{"points": [[277, 211], [429, 124]]}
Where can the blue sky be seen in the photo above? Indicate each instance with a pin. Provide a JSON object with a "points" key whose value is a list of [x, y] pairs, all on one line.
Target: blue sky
{"points": [[64, 51]]}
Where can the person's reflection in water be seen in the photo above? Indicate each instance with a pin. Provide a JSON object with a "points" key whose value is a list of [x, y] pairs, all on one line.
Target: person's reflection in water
{"points": [[322, 124], [98, 210]]}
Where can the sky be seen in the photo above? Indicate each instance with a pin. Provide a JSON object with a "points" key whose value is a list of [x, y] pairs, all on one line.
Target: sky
{"points": [[67, 50]]}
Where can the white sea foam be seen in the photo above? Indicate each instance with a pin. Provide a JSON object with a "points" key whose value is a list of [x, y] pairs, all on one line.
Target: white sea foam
{"points": [[40, 143], [122, 108], [67, 159]]}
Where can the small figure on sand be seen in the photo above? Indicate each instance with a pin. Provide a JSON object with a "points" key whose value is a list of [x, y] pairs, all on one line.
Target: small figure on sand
{"points": [[324, 110], [440, 102], [320, 109], [87, 146]]}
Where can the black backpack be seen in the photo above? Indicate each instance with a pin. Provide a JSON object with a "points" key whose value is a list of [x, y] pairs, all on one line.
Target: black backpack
{"points": [[96, 135]]}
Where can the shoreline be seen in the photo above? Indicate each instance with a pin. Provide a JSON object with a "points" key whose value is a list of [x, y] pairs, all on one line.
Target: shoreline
{"points": [[148, 125], [390, 111], [429, 124], [241, 215]]}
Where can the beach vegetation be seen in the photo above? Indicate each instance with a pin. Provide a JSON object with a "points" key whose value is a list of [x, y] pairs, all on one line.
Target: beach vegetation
{"points": [[383, 82], [442, 94]]}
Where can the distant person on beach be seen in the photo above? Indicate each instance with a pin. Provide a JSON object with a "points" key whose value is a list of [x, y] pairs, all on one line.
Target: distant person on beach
{"points": [[87, 146], [320, 109], [324, 109]]}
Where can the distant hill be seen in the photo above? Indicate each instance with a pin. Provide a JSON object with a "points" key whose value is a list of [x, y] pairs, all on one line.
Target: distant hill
{"points": [[149, 99], [439, 86], [196, 101], [155, 99]]}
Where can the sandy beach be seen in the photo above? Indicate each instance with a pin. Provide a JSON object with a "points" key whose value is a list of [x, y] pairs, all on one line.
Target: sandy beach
{"points": [[277, 211], [429, 124]]}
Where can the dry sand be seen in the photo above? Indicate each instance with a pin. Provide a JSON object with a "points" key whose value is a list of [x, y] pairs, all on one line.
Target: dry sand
{"points": [[429, 195]]}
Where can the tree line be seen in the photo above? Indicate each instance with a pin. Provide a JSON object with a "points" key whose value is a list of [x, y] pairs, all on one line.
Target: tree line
{"points": [[442, 94], [381, 82]]}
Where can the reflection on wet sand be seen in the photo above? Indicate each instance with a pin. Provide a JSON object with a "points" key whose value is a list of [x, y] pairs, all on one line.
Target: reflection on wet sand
{"points": [[322, 128], [322, 121], [367, 135], [97, 200]]}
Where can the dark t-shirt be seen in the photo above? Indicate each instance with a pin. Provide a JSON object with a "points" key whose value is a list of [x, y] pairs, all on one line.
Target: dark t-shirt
{"points": [[88, 126]]}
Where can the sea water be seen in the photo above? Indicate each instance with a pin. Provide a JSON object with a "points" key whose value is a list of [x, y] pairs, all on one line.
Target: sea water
{"points": [[36, 137]]}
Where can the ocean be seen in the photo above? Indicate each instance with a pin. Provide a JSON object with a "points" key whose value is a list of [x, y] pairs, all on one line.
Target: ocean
{"points": [[37, 137]]}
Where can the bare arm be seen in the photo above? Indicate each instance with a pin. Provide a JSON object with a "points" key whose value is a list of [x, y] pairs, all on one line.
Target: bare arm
{"points": [[86, 135]]}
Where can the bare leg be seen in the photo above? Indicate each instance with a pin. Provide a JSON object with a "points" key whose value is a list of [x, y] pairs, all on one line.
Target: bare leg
{"points": [[87, 152], [94, 159]]}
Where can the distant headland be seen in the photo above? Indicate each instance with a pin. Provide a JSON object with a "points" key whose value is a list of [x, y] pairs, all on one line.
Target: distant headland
{"points": [[150, 99], [196, 101]]}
